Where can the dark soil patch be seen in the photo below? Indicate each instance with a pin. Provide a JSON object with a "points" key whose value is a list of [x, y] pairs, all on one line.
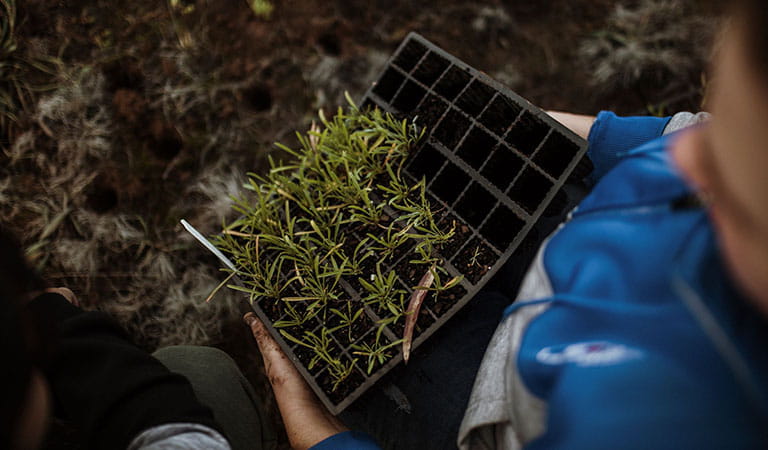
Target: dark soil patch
{"points": [[124, 73], [165, 142], [475, 260], [446, 300], [101, 196], [345, 388], [258, 97], [329, 43]]}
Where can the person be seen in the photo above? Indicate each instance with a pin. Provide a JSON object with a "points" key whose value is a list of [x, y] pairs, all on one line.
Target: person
{"points": [[80, 366], [642, 320]]}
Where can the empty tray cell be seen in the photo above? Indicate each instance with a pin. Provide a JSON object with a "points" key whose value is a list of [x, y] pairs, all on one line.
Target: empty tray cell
{"points": [[410, 55], [500, 114], [527, 133], [476, 147], [530, 189], [426, 163], [450, 183], [431, 110], [408, 97], [502, 167], [475, 97], [452, 82], [555, 154], [430, 68], [502, 227], [451, 129], [475, 205], [388, 84]]}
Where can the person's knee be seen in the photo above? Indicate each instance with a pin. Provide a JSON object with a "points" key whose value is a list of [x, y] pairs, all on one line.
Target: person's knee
{"points": [[191, 358]]}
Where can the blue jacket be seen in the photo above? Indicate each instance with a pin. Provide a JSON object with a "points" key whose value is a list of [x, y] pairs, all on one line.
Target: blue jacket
{"points": [[643, 341]]}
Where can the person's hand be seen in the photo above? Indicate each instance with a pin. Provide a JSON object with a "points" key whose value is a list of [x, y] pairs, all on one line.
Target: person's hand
{"points": [[577, 123], [63, 291], [306, 420]]}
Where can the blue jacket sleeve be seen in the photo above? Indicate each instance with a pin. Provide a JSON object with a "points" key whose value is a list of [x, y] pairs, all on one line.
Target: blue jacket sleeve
{"points": [[612, 137], [352, 440]]}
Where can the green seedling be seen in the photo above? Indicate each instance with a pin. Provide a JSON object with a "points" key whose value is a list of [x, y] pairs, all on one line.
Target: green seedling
{"points": [[347, 319], [391, 241], [380, 290], [376, 353]]}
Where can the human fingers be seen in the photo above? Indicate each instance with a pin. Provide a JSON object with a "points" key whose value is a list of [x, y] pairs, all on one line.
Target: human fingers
{"points": [[307, 421], [66, 293]]}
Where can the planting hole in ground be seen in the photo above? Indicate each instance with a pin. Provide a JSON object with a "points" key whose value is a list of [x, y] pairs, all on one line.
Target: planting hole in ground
{"points": [[475, 97], [258, 97], [426, 163], [500, 114], [431, 110], [452, 82], [410, 55], [388, 84], [502, 167], [502, 227], [450, 183], [329, 43], [168, 145], [475, 260], [475, 205], [527, 133], [530, 189], [451, 129], [101, 197], [408, 97], [476, 147], [555, 154], [124, 74], [430, 68]]}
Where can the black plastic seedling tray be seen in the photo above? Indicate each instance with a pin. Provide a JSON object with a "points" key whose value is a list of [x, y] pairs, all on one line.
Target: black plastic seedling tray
{"points": [[493, 163]]}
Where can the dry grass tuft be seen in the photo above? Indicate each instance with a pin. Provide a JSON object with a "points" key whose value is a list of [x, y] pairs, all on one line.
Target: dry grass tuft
{"points": [[662, 40]]}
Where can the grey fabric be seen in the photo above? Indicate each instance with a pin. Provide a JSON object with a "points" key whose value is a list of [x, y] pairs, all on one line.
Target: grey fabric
{"points": [[181, 436], [219, 384], [501, 412], [684, 120]]}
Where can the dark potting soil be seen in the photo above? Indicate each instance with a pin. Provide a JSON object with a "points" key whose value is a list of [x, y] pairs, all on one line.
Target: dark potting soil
{"points": [[475, 260]]}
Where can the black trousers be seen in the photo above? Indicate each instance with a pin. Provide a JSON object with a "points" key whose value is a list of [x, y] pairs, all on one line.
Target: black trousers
{"points": [[111, 391]]}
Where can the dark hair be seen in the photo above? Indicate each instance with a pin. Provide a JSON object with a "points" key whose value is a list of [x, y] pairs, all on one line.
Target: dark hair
{"points": [[754, 14], [20, 344]]}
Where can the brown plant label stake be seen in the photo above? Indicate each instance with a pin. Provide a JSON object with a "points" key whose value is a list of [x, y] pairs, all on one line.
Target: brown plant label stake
{"points": [[413, 310]]}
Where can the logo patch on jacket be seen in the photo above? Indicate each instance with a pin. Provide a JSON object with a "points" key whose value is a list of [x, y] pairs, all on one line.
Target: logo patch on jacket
{"points": [[595, 353]]}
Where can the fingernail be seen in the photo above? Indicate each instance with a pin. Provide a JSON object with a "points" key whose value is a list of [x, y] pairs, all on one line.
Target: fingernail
{"points": [[249, 319]]}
